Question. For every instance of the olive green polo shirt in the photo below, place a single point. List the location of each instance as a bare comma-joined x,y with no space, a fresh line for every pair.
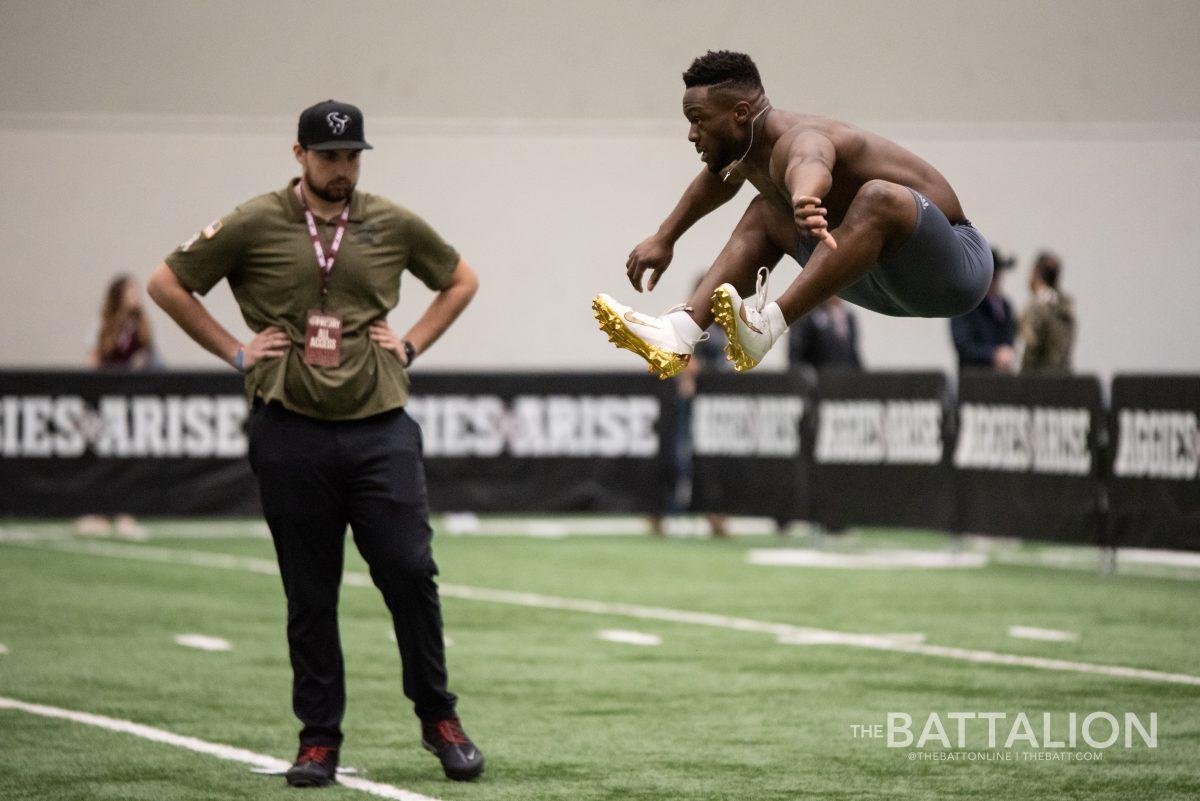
263,249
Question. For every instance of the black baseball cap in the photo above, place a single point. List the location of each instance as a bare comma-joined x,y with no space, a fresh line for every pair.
331,126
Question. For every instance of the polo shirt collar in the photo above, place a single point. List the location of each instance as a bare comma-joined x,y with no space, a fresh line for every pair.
358,204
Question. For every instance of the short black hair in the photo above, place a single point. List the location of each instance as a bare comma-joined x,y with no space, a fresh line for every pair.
723,66
1047,267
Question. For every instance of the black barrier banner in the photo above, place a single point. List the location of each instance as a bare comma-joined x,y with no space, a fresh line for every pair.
174,444
111,443
1154,477
1028,456
746,440
878,456
860,448
548,442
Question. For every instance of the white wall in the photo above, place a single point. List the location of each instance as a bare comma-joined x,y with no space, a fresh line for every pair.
945,60
130,125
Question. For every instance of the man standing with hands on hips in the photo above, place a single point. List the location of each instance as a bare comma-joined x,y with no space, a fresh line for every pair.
315,268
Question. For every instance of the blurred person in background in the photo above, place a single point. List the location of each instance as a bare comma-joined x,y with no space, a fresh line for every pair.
985,337
1048,322
825,337
122,341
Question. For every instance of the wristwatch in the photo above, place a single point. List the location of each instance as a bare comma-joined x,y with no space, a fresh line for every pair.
410,352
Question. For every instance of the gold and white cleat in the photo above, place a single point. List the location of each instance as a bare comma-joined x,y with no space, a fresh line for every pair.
652,338
747,327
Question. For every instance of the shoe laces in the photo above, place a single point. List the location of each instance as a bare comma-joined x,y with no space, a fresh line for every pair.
315,753
450,730
760,288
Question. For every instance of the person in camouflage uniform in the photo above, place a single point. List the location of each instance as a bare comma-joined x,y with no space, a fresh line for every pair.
1048,322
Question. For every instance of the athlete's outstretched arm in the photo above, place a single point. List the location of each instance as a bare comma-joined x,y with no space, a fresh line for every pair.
704,194
807,168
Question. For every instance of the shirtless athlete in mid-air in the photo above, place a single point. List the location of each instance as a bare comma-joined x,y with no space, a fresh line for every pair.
865,218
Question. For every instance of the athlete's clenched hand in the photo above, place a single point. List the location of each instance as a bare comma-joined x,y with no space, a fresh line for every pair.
811,219
267,344
653,254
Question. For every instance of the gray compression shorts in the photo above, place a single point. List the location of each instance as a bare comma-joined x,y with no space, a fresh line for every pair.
942,270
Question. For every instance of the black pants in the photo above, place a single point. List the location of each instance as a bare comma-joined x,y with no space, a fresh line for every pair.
315,477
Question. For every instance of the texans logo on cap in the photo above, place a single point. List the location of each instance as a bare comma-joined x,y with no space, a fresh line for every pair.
337,122
331,126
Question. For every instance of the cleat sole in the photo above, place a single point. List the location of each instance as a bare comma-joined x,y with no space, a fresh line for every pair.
726,317
662,363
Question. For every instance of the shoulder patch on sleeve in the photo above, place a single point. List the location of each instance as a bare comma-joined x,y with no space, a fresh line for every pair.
191,241
212,229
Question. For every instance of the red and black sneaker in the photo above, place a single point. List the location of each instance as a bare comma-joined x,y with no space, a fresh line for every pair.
446,740
316,766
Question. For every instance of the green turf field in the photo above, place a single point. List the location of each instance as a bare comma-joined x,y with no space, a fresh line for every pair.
712,712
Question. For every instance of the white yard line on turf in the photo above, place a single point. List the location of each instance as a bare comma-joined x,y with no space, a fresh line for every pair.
226,752
452,524
822,638
175,530
218,531
626,637
893,559
9,535
469,524
203,642
1045,635
535,600
1177,565
1181,565
1148,556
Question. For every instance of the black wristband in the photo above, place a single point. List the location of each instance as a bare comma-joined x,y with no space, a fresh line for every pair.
410,352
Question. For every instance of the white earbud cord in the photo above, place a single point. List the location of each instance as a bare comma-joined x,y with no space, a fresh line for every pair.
729,170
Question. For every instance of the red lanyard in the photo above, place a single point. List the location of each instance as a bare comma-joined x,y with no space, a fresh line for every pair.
325,259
